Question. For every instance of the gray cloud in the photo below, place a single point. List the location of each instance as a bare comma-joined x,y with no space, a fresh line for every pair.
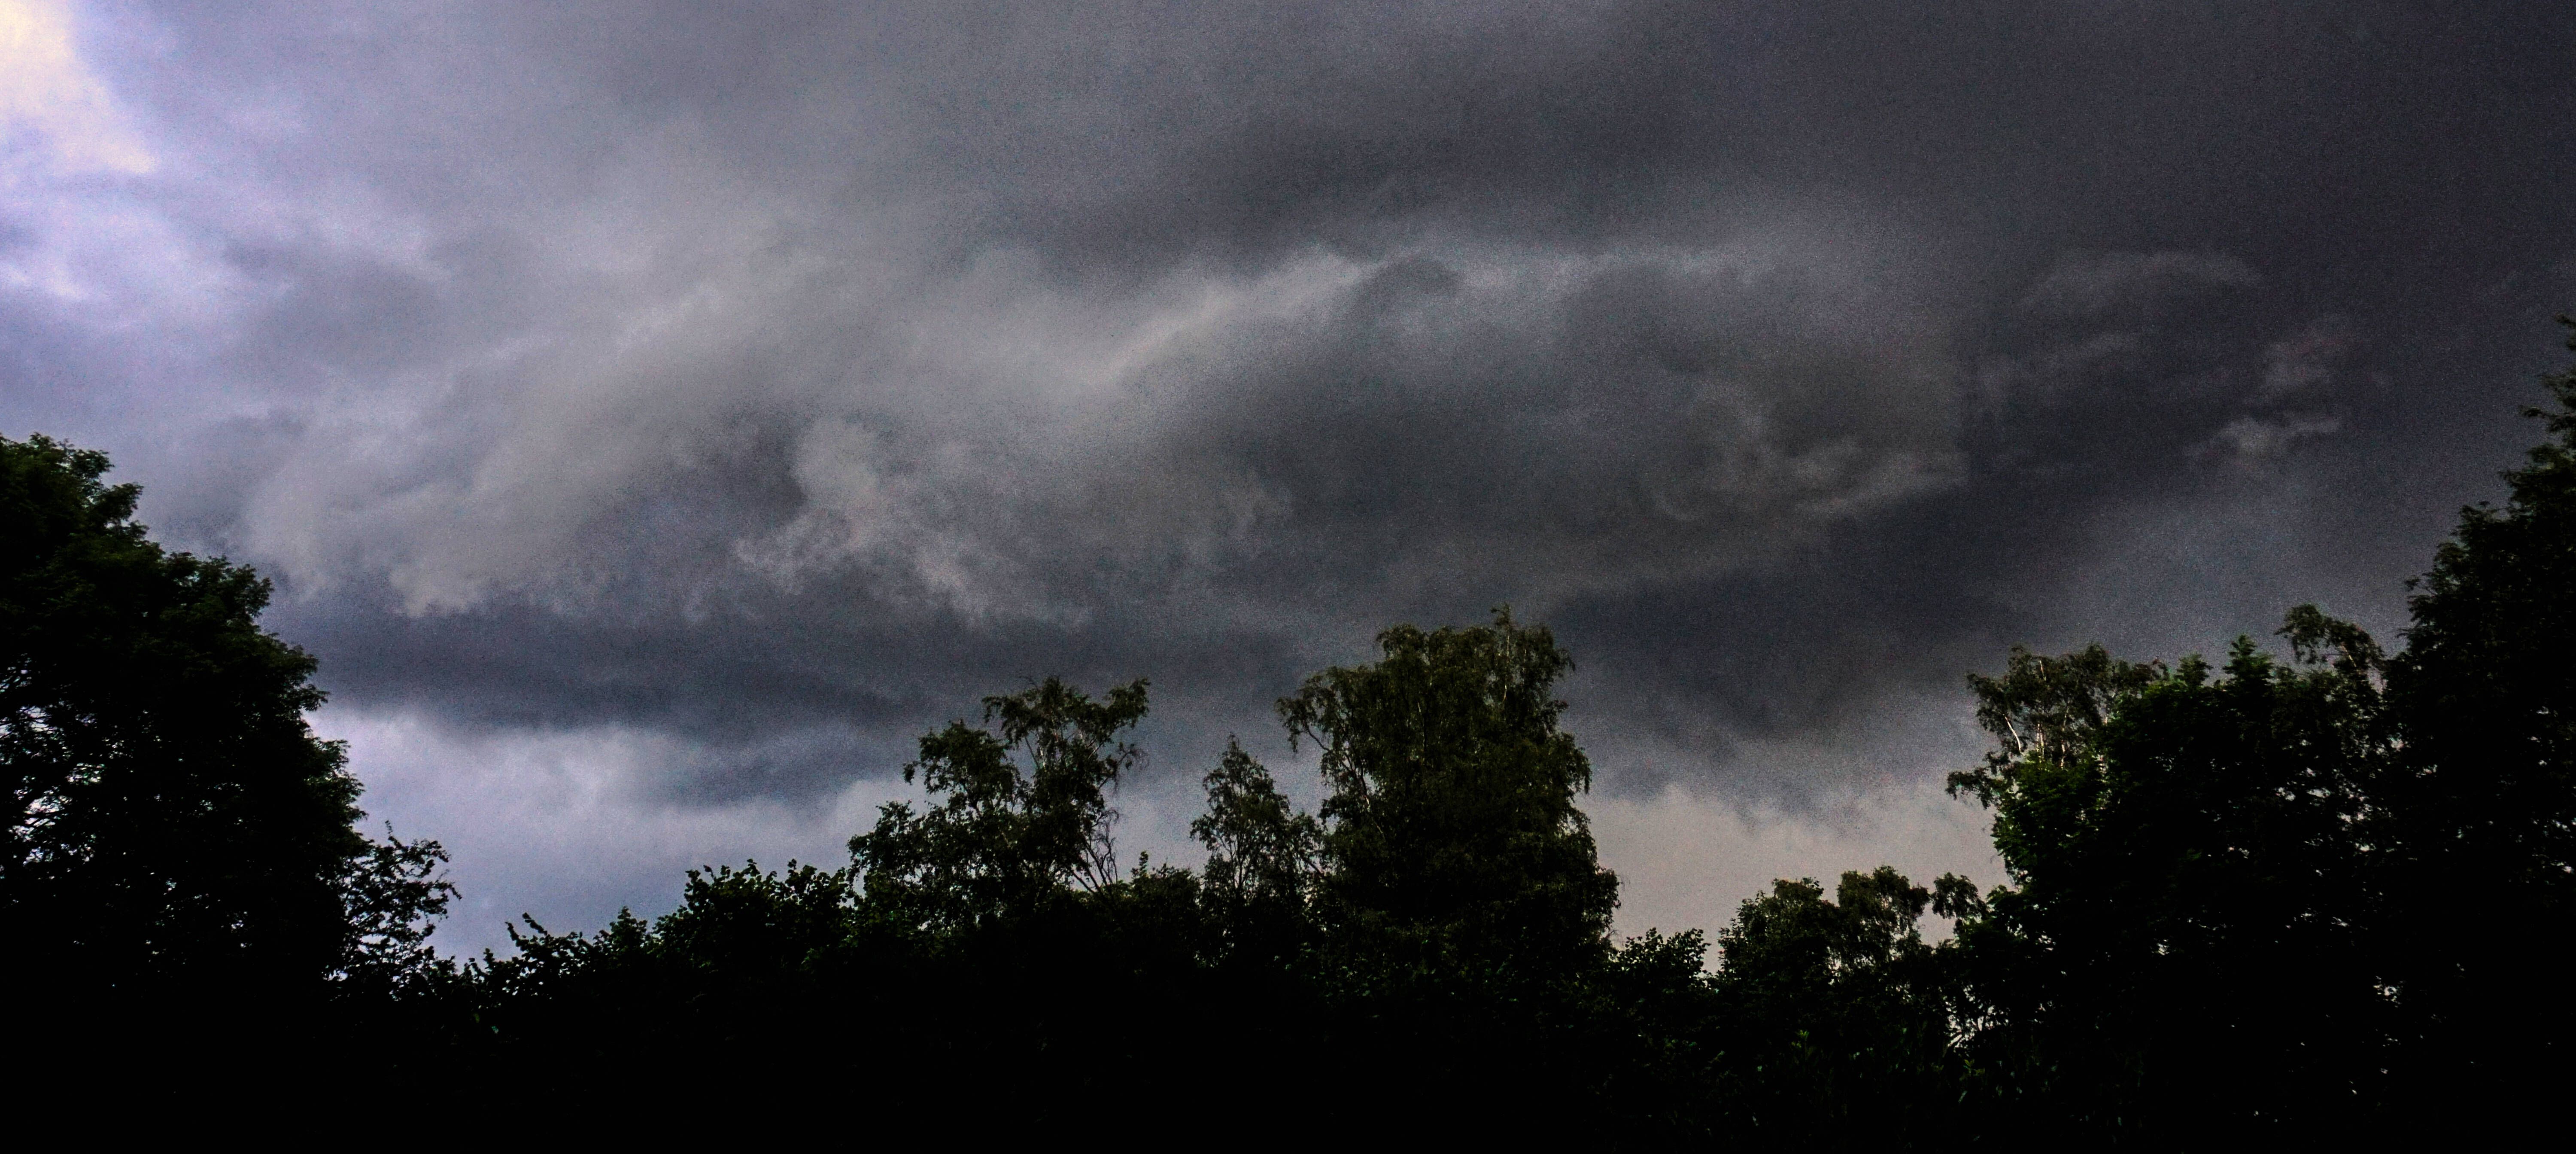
742,390
2091,283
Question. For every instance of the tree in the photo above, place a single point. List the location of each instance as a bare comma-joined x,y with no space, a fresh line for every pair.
1002,838
2328,893
788,966
1462,911
391,898
1044,961
1262,861
175,827
2478,812
2180,951
1834,1017
1452,826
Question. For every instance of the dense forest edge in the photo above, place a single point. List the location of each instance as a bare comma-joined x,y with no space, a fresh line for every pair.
2315,888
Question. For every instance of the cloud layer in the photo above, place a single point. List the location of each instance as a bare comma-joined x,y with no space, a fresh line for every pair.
721,396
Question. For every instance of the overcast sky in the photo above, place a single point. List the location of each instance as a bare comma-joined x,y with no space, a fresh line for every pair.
656,416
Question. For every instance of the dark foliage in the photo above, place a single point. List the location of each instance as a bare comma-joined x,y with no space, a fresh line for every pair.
2198,834
1452,838
1834,1018
2476,810
1263,860
180,852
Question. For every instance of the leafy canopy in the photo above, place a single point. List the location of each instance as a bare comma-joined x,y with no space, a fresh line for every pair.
173,823
1021,810
1452,821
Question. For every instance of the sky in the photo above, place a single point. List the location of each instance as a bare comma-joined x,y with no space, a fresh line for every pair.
656,416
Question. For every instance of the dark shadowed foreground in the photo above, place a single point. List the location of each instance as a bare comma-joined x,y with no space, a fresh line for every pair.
2321,893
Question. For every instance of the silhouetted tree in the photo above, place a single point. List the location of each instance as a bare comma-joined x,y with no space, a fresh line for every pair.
2477,812
1834,1019
2180,953
2328,894
1462,907
1452,830
1263,858
1003,838
177,837
1046,962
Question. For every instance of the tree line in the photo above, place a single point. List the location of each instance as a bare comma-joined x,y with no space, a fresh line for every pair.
2315,891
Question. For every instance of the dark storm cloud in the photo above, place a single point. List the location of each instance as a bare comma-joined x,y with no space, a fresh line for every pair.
763,383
